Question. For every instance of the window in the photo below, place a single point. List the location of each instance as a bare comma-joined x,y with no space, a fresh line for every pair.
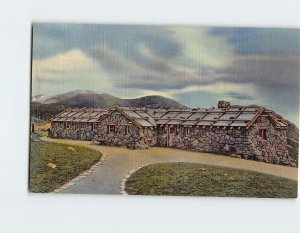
172,130
111,129
126,129
165,130
187,131
161,130
68,124
243,131
262,133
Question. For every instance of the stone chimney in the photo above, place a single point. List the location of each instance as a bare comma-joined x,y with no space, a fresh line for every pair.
223,104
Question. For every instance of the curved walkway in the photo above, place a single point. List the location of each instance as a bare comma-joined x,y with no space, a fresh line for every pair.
118,162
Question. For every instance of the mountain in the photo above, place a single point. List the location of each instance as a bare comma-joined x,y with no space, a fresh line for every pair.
46,99
40,98
45,108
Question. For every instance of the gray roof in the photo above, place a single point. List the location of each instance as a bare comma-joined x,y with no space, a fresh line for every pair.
139,116
233,116
80,115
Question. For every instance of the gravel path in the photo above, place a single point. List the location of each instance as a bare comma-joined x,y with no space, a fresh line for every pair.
118,162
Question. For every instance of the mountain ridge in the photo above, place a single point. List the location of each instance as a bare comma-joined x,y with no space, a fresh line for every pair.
45,108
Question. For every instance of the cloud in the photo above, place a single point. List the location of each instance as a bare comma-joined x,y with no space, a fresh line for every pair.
146,57
195,65
239,96
124,38
228,91
71,61
275,80
261,41
209,99
150,71
268,74
64,72
201,48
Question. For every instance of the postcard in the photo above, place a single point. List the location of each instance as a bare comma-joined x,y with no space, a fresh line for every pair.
173,110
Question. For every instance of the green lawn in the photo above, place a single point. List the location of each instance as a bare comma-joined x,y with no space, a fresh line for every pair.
188,179
53,164
37,121
293,150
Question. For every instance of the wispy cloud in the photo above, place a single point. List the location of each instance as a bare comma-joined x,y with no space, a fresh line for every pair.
191,64
261,41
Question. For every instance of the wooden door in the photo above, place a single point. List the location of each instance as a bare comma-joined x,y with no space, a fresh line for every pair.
171,135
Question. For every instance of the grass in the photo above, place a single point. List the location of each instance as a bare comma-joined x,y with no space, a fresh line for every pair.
293,150
37,121
293,141
188,179
53,164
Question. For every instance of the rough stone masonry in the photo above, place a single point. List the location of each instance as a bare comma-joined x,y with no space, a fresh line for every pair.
249,132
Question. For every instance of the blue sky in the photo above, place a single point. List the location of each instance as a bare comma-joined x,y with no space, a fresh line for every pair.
196,66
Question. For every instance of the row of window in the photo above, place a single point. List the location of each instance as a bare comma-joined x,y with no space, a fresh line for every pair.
110,128
67,125
187,130
262,133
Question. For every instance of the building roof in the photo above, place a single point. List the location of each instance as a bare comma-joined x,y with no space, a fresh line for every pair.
80,115
139,116
232,116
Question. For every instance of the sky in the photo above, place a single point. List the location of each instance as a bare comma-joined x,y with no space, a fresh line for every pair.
196,66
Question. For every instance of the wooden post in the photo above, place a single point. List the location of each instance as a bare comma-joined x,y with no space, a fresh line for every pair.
168,135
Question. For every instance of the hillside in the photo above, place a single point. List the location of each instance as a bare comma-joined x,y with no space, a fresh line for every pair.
44,108
293,141
46,99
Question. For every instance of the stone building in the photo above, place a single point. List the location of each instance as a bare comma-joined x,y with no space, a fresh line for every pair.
127,127
76,124
250,132
133,128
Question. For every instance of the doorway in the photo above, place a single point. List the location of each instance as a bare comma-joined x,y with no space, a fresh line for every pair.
170,135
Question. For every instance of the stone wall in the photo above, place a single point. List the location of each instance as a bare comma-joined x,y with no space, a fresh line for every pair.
73,130
135,138
223,141
272,149
243,143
